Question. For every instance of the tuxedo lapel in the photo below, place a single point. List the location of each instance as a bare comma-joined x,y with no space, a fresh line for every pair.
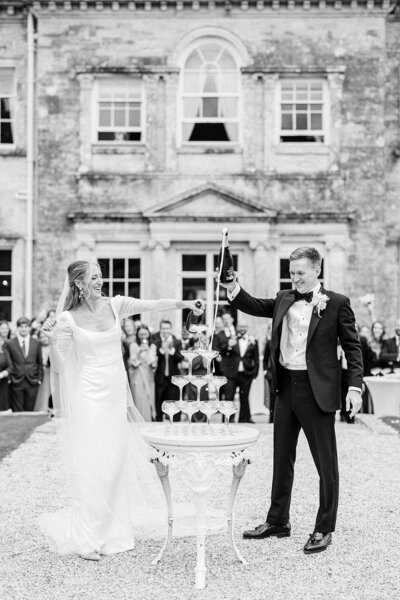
315,319
285,303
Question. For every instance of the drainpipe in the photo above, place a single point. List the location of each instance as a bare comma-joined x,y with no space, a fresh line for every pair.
30,160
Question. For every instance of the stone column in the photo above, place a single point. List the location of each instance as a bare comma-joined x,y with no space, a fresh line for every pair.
85,120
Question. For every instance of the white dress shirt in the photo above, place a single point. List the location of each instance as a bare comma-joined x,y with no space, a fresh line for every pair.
243,343
295,327
25,340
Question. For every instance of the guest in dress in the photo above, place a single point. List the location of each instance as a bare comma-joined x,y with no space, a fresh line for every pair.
376,341
390,354
199,367
44,393
5,367
142,364
128,337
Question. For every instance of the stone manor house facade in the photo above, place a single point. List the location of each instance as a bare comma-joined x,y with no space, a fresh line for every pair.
132,132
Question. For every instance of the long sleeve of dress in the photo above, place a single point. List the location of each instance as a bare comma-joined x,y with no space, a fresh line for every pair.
61,343
132,306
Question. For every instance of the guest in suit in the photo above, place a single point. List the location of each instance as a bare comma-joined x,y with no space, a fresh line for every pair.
44,393
142,364
168,360
223,342
27,367
305,374
5,367
390,354
240,367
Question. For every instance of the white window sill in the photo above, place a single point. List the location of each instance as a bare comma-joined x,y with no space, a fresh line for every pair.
302,148
11,150
209,149
118,148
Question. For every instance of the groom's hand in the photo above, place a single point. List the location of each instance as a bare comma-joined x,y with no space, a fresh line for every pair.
353,400
229,286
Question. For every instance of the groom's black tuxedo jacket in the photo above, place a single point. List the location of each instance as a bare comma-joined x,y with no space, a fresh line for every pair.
335,321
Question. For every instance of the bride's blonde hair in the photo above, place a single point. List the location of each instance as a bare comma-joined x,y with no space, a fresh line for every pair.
76,272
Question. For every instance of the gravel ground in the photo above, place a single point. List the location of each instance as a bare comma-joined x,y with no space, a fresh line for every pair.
363,562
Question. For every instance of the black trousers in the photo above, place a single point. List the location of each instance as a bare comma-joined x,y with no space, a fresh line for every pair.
23,396
243,382
296,409
165,390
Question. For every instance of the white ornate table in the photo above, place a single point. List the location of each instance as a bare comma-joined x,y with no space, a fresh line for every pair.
385,393
200,452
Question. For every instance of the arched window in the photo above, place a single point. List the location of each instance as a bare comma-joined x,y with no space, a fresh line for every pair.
210,90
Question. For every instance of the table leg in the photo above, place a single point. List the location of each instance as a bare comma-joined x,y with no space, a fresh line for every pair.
238,472
199,498
162,472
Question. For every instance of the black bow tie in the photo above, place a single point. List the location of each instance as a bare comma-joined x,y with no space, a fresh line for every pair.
307,297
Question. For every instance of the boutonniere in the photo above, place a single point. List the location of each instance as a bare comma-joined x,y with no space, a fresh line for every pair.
251,340
319,302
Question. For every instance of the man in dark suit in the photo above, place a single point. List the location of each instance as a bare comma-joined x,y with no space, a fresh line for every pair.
390,353
27,367
240,364
168,361
305,374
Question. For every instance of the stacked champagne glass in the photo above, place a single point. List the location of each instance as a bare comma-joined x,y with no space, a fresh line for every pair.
207,407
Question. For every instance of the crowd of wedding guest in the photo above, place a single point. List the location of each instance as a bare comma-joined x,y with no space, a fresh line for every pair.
153,358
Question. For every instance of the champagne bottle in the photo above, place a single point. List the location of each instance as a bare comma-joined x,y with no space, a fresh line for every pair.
226,269
194,323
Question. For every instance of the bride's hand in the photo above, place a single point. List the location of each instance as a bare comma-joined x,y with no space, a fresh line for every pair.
48,327
197,306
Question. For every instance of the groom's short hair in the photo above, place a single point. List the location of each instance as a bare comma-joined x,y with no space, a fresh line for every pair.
306,252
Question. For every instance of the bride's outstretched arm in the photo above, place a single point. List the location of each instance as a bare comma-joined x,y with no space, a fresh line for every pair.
133,306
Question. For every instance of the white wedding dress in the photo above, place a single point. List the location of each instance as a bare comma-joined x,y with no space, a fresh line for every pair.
101,448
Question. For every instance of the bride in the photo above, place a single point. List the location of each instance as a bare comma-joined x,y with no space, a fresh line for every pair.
97,429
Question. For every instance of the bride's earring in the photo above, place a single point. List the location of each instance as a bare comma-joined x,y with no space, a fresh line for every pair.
81,296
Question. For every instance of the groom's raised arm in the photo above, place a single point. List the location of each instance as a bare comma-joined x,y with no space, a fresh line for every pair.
257,307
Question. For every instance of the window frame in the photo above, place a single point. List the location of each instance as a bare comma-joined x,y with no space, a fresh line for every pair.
13,108
96,112
181,119
126,279
324,132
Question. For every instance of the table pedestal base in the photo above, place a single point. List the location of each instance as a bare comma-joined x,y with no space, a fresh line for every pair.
199,471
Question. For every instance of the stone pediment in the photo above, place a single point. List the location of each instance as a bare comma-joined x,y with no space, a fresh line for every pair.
209,202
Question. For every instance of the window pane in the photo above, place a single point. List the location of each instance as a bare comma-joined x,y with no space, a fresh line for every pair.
209,132
228,82
192,83
5,260
5,310
210,107
193,262
134,289
5,285
227,61
118,268
301,121
210,85
284,269
119,115
193,61
6,135
210,52
228,107
132,136
118,288
6,82
191,107
316,121
134,117
287,122
106,288
285,285
134,268
104,117
193,288
106,136
5,112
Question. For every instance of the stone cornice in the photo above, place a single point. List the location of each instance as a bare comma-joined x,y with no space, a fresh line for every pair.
11,7
335,216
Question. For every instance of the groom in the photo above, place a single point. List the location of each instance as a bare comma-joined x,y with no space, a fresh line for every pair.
307,323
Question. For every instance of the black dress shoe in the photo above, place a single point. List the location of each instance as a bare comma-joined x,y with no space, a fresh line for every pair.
317,542
266,530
